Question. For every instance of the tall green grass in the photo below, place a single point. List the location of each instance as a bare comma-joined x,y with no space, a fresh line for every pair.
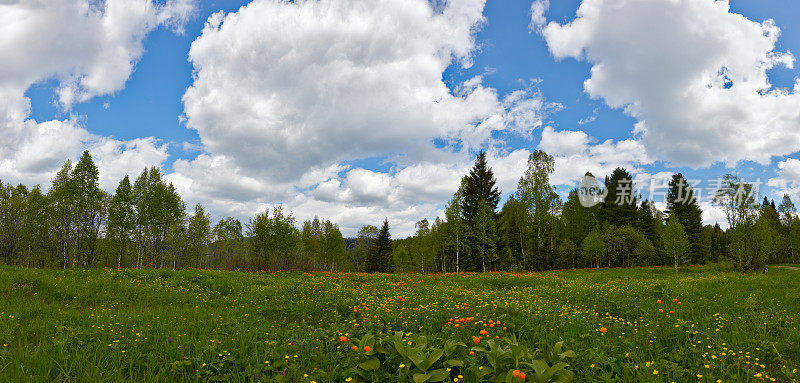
89,325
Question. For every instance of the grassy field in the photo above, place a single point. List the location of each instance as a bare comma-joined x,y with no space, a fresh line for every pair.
704,324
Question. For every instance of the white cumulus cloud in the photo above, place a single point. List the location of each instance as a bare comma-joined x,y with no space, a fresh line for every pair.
692,73
286,94
89,48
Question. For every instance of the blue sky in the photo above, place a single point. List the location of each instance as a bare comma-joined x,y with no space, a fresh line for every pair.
506,53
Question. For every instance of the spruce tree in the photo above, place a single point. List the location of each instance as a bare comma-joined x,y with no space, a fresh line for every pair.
619,208
380,259
682,204
479,188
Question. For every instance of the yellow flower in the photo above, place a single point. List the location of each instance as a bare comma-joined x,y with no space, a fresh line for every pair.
655,372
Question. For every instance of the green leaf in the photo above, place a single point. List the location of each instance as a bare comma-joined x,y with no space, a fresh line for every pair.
453,363
435,355
418,359
567,354
370,364
565,376
421,378
552,371
438,375
538,366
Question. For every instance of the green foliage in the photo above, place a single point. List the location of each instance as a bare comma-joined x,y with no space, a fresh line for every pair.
682,204
380,257
619,207
594,247
145,224
122,219
675,241
204,325
365,240
198,239
480,200
420,359
273,238
538,209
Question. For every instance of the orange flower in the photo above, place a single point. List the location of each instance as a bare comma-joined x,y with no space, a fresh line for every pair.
367,348
476,339
661,310
515,373
522,375
658,301
343,338
354,348
674,299
472,353
483,332
603,330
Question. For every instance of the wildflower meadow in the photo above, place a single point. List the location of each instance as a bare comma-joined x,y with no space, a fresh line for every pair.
645,324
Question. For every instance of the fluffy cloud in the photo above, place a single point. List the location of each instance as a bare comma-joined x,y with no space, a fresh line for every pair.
352,80
576,153
89,48
280,114
692,73
115,159
788,179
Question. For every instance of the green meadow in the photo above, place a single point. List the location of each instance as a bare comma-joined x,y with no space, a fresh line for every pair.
704,324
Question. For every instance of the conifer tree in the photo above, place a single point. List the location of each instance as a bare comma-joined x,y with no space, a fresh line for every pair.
486,233
619,207
682,204
479,189
381,259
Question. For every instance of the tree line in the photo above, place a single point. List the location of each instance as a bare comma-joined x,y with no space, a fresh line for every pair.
145,224
535,230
